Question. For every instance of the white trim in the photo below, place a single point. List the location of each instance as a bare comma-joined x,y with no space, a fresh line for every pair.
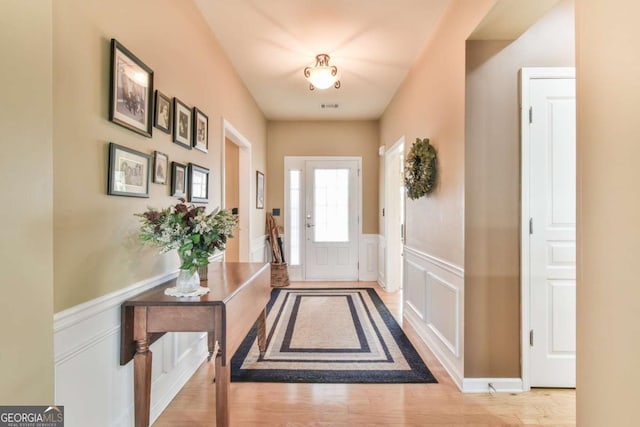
368,257
526,75
71,316
435,348
452,268
382,247
246,182
258,249
88,377
500,385
396,149
454,347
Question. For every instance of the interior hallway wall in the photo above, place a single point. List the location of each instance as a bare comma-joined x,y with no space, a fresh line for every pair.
95,235
607,68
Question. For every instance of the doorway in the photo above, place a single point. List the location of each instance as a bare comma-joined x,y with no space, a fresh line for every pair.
394,197
548,250
232,195
322,217
244,174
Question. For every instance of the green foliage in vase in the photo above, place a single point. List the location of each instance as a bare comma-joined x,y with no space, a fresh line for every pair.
420,169
188,229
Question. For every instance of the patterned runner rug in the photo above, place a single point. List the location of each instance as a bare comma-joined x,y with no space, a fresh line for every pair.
329,335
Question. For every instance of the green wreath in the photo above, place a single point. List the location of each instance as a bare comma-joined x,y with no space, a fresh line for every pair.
420,169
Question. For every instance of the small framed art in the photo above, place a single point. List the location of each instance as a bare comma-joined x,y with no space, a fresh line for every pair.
178,180
129,172
182,122
198,184
200,130
160,167
259,190
131,91
163,118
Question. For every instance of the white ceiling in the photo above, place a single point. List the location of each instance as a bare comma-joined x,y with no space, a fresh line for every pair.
372,42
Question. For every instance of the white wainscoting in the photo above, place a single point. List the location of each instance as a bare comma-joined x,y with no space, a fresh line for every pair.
368,258
259,249
434,305
382,261
89,381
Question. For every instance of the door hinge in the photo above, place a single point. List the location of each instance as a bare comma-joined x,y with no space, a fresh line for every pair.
530,115
358,172
530,225
531,338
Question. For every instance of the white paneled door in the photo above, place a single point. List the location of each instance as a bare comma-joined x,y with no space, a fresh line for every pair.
331,220
552,232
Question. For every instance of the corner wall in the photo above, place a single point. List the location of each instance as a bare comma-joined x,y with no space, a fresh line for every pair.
431,103
26,219
608,237
492,187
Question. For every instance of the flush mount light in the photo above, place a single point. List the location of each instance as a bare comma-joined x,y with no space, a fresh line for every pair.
322,75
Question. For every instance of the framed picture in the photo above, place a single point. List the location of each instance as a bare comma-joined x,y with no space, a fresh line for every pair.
129,172
162,118
259,190
178,180
182,123
160,167
200,130
198,184
131,91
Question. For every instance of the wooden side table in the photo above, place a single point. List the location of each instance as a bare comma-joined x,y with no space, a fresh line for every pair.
238,296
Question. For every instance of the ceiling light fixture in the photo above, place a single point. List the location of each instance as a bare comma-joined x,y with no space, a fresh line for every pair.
322,75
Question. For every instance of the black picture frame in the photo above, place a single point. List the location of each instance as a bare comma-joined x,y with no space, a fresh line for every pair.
163,117
259,190
182,124
200,130
130,91
198,184
160,167
129,172
178,180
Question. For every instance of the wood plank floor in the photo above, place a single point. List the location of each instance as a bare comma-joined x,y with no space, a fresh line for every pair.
266,404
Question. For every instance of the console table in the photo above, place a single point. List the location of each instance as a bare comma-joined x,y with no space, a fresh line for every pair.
238,297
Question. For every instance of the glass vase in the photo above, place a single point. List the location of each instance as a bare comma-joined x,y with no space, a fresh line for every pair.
187,281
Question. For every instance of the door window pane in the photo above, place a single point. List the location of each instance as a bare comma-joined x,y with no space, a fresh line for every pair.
331,205
294,217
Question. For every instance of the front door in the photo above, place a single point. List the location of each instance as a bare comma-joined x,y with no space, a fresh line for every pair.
331,220
552,239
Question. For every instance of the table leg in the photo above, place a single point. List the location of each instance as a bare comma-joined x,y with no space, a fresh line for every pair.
142,383
211,338
223,375
262,332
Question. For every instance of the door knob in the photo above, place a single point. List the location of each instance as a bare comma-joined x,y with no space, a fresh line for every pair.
309,225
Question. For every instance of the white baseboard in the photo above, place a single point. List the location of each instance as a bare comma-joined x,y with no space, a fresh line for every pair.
89,381
499,385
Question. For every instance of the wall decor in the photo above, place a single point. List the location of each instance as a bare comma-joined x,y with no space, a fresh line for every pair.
259,190
178,180
198,184
420,169
182,122
131,91
200,130
163,117
160,167
129,172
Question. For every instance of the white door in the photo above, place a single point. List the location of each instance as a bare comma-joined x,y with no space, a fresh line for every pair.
331,220
394,215
552,239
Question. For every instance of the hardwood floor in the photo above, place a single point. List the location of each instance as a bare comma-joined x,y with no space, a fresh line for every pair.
267,404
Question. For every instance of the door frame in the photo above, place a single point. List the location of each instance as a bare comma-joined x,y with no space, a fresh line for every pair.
244,183
388,226
299,162
526,75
